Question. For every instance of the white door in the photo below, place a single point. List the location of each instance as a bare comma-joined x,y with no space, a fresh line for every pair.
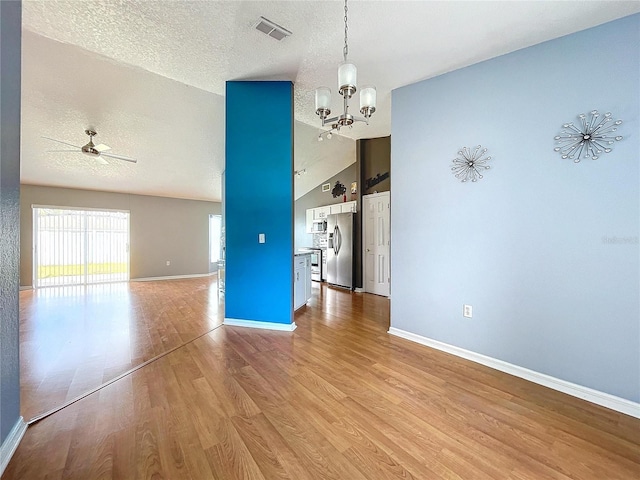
376,216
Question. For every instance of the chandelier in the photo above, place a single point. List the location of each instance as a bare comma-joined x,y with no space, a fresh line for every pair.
346,87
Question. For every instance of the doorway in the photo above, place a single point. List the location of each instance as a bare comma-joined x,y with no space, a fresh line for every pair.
376,216
79,247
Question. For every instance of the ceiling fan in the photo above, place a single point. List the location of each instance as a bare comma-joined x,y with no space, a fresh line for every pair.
95,151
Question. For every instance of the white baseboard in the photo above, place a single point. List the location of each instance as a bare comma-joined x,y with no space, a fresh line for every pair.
234,322
26,287
172,277
8,447
618,404
361,290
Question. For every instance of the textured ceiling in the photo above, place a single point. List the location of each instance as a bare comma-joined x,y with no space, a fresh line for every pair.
176,132
150,75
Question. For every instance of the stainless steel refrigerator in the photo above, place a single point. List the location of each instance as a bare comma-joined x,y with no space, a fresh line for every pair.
340,243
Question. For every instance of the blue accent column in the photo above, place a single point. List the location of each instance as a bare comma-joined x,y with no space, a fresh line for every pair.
259,200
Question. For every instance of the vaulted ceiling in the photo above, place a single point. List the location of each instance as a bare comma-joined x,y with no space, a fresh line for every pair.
150,76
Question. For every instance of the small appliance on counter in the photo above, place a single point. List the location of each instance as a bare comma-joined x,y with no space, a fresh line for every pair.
316,263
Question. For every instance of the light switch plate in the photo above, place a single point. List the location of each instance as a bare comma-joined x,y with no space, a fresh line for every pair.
261,238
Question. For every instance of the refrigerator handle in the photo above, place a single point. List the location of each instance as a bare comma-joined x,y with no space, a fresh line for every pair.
338,240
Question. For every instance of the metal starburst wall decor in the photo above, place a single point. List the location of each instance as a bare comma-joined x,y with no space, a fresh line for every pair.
589,139
470,163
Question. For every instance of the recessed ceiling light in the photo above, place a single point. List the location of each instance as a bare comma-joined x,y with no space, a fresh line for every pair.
272,29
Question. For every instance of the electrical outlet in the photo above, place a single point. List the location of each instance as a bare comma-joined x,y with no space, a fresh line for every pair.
467,311
168,262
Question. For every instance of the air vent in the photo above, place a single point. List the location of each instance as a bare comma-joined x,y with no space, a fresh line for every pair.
272,29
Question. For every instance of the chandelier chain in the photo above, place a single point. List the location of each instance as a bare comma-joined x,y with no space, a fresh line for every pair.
345,50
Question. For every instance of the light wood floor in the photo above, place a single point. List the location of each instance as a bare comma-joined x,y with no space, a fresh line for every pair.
336,399
74,339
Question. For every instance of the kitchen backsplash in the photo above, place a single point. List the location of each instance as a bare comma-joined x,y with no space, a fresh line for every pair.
320,240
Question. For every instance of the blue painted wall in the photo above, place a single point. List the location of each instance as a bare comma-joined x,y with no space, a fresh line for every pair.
10,56
545,250
259,199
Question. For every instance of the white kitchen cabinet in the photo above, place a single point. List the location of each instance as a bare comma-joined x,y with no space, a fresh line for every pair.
321,213
310,220
336,208
301,280
347,207
344,207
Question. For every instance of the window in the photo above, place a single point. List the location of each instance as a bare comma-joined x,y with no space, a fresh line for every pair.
76,247
215,237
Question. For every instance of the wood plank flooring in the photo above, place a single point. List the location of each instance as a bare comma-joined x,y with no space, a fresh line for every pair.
338,398
74,339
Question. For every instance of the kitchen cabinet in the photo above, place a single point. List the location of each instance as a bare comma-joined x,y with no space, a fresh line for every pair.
321,213
309,220
337,208
348,207
301,280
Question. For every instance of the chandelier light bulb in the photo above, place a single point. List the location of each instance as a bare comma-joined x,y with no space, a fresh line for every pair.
368,101
329,135
347,78
368,97
323,98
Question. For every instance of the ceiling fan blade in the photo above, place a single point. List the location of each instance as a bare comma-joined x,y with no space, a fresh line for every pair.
101,147
101,161
71,151
120,157
60,141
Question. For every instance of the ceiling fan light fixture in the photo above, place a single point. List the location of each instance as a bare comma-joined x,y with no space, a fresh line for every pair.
92,152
